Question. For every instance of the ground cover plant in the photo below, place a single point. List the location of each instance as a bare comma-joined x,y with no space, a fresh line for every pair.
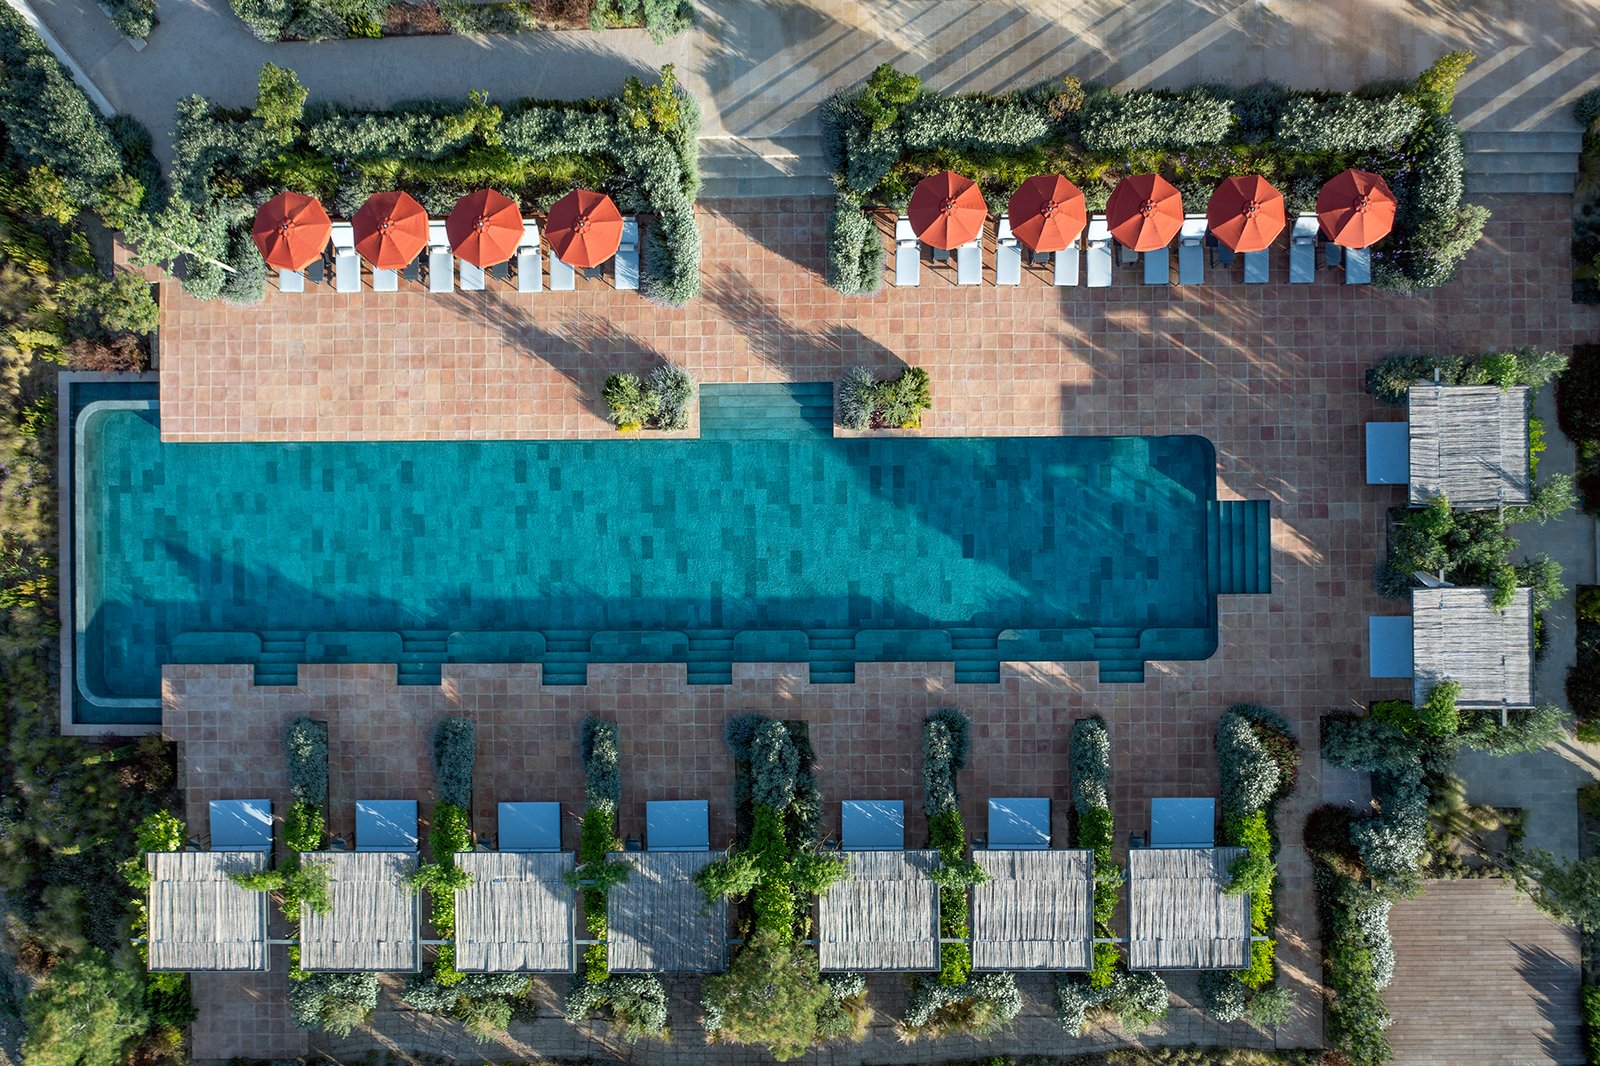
1110,989
639,147
1258,761
887,134
635,1004
322,20
772,993
1578,411
893,403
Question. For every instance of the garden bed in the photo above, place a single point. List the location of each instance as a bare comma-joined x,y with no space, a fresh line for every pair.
1586,204
325,20
639,147
887,135
1583,679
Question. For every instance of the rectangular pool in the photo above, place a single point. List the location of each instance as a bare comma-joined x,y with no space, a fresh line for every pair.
824,551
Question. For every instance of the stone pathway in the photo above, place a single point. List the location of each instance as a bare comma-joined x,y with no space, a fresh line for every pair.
1483,978
760,67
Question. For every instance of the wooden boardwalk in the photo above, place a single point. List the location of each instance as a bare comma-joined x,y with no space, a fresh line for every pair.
1482,978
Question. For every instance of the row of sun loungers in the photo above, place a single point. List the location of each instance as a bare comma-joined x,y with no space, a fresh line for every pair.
1100,252
446,273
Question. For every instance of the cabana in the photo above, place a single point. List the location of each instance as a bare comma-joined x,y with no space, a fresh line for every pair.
201,920
1457,635
517,915
1468,443
374,921
1036,911
658,921
1179,917
884,916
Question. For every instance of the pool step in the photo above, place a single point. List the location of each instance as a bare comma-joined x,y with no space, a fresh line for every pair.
281,656
422,655
976,656
833,671
566,657
1239,546
766,411
710,658
1113,672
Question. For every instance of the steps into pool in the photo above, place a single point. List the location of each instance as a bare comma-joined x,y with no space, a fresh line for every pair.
1239,539
766,411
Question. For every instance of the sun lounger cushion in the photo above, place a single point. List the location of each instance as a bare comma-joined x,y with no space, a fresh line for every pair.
471,277
1099,254
562,279
347,272
1257,268
385,281
969,264
1065,267
1158,267
1191,251
441,271
1303,250
529,270
627,262
1007,255
1358,266
291,281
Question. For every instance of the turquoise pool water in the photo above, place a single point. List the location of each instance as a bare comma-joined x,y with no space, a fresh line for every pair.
707,552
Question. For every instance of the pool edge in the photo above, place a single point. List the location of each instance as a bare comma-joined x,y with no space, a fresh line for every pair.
66,489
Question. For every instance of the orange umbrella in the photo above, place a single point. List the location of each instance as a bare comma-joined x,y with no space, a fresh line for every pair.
1145,212
1356,209
585,228
291,229
484,228
947,210
1246,213
1047,213
391,229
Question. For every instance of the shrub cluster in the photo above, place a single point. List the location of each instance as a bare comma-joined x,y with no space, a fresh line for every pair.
1583,679
1090,756
1391,378
882,137
1578,410
454,748
636,1002
323,20
895,403
976,1007
658,402
1358,954
335,1002
484,1002
306,748
133,18
946,743
1135,997
1470,548
640,147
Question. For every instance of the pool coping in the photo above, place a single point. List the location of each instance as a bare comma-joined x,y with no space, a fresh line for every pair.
66,487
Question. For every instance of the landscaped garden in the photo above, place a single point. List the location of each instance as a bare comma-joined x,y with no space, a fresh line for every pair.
639,147
885,136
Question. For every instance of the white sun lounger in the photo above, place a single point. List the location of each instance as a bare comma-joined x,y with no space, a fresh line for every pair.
1257,268
1191,251
471,277
627,262
562,277
291,281
907,254
1007,255
1099,254
441,263
530,264
1303,250
1158,266
385,281
969,263
1358,266
1065,265
346,264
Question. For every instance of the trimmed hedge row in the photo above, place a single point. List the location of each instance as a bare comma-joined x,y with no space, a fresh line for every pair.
639,146
881,138
324,20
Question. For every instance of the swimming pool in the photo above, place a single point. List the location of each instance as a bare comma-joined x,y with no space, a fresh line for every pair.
797,548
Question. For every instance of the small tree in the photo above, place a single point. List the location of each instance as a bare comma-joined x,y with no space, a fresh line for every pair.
83,1014
885,91
280,103
771,995
1569,892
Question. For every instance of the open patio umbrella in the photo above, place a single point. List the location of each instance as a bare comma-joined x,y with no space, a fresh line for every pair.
1356,209
947,210
484,227
585,228
291,229
1145,212
1047,213
1246,213
391,229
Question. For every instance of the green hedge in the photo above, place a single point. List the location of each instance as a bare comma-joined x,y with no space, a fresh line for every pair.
639,147
883,137
323,20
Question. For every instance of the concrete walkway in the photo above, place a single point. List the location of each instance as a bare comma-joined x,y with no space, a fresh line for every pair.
761,67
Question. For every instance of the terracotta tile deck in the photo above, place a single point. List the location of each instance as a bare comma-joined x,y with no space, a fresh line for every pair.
1271,374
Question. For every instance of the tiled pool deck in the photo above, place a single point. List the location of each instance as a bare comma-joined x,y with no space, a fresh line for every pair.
1272,375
